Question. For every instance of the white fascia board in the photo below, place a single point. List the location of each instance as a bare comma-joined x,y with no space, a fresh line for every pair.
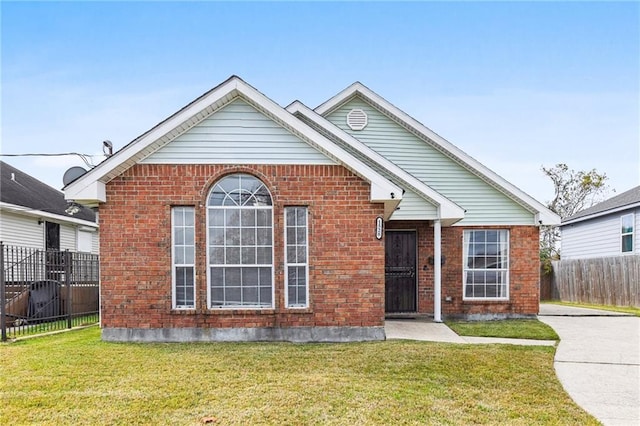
544,216
602,213
447,209
13,208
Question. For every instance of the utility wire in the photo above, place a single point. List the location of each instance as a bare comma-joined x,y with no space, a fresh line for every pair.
85,157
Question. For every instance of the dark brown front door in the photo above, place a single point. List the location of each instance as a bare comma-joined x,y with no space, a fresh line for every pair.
400,271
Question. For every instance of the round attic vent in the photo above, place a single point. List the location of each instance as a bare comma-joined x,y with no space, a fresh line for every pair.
357,119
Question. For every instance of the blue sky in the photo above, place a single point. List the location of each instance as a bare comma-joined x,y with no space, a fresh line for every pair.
515,85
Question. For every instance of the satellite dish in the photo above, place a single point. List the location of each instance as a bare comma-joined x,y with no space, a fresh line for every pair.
72,174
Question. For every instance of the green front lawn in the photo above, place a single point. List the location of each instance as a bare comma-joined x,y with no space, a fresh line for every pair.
75,378
515,329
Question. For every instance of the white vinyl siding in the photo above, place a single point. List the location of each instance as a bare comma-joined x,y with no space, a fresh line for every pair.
95,245
68,235
483,203
20,230
85,241
598,237
237,133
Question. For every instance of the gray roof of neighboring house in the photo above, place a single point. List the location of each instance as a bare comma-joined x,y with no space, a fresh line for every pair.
628,198
21,189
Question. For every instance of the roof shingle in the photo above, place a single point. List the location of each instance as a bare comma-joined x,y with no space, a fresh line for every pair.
627,198
21,189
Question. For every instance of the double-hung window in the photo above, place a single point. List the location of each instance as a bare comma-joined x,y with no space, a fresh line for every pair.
240,243
626,233
296,257
183,257
486,264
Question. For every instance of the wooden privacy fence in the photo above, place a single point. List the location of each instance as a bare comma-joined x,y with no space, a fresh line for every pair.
602,281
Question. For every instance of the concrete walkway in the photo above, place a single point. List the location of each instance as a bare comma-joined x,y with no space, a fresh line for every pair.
438,332
598,360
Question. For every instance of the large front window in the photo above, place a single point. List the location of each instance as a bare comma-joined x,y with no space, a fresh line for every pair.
486,264
240,242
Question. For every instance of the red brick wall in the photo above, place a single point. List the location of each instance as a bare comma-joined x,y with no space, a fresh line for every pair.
346,261
524,274
524,271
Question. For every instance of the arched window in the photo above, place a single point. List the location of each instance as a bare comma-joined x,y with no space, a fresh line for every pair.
240,243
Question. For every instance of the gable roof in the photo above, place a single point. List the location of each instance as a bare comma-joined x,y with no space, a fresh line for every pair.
627,200
90,187
21,192
543,214
449,211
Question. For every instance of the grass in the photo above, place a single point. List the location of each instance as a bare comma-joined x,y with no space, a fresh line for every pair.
50,326
75,378
516,329
622,309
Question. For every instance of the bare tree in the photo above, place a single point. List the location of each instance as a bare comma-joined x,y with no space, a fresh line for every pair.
574,192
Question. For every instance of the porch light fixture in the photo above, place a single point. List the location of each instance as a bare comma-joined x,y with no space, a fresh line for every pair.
72,208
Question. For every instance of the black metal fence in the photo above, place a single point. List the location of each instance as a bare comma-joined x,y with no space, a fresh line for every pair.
46,290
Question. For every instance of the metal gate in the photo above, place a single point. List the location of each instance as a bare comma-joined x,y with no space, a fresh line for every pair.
46,290
400,271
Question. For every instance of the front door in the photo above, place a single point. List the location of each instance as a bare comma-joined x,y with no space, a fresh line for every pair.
400,271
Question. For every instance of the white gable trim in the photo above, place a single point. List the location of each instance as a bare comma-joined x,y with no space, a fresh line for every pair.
447,209
90,187
544,216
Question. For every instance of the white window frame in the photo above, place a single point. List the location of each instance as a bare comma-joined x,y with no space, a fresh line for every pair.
240,265
627,234
504,261
175,245
295,263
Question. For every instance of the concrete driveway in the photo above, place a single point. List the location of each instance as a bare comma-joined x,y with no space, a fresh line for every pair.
598,361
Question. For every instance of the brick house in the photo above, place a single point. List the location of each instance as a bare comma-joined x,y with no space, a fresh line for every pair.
237,219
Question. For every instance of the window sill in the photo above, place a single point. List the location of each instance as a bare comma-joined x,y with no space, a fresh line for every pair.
298,310
240,311
244,311
486,301
183,311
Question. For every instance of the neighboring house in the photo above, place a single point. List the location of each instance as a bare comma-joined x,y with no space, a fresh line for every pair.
609,228
237,219
33,214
